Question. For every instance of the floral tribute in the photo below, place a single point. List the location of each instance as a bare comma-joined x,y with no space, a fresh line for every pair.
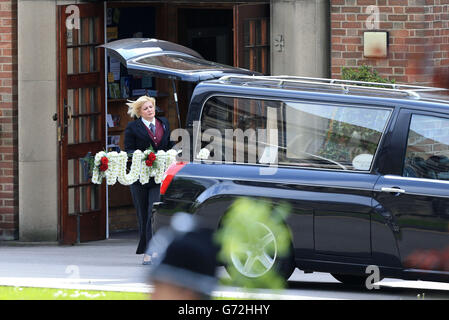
203,154
150,159
104,163
101,166
144,165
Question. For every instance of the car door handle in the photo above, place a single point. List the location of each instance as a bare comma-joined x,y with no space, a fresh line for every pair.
393,190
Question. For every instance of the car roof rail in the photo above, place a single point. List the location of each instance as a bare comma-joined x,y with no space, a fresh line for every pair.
346,86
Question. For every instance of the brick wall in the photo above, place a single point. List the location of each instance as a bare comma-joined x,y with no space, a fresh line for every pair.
8,121
418,37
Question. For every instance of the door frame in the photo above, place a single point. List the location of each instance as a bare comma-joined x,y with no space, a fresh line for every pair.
164,30
66,234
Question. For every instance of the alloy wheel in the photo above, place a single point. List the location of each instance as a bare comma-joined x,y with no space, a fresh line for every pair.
256,258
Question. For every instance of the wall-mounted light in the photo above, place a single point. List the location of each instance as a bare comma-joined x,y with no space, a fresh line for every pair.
375,44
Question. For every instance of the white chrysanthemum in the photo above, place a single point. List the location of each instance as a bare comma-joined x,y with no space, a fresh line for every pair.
133,175
117,164
171,158
112,171
97,175
203,154
160,165
158,178
144,170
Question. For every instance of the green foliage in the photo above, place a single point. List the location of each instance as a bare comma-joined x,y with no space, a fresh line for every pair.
244,227
88,164
28,293
25,293
364,73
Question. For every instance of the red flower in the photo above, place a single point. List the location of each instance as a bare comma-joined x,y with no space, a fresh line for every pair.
103,167
104,161
151,157
149,163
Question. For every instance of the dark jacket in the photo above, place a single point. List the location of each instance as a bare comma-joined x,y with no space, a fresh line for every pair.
137,138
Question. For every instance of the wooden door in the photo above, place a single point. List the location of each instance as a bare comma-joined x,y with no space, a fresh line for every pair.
252,37
81,122
251,43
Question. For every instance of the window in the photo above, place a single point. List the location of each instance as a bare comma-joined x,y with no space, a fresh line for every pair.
427,148
234,128
332,137
256,45
292,133
179,62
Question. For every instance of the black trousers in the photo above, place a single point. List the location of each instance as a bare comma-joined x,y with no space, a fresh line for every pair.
143,198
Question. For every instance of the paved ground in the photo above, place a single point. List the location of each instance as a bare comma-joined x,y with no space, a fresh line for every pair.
108,265
113,265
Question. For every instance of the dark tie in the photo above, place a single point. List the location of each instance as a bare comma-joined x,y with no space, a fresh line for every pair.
152,128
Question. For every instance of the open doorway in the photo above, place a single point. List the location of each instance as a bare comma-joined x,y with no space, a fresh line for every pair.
230,33
203,28
124,21
208,31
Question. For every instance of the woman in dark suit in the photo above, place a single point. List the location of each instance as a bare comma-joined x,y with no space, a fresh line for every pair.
148,130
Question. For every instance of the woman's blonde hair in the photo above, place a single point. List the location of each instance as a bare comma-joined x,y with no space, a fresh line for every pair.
134,107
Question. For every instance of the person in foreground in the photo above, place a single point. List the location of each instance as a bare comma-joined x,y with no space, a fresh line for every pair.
185,268
144,132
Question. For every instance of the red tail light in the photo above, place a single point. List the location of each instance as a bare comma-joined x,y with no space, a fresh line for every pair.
171,172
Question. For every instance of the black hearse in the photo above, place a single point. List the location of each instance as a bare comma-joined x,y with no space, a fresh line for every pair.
365,167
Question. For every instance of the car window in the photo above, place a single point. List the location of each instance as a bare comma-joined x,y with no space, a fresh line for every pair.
234,129
291,133
179,62
427,148
333,137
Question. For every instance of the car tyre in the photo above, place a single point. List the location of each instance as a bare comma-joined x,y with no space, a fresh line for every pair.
256,262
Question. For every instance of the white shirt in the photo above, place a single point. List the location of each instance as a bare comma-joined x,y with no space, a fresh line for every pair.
147,123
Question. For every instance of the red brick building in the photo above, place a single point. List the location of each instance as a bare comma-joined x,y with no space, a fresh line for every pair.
418,31
8,121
